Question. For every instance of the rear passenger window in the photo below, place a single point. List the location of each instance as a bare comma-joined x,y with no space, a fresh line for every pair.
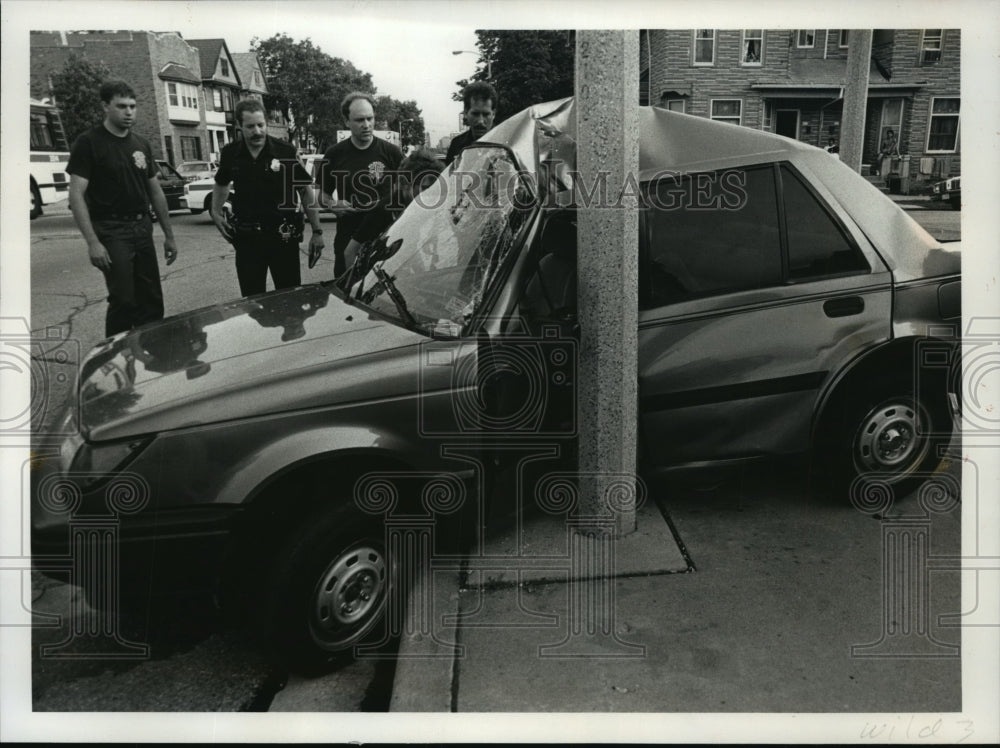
816,244
706,234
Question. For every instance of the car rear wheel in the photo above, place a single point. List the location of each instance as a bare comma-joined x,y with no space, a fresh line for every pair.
327,591
886,434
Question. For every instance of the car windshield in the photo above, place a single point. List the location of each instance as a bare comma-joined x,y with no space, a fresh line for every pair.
193,168
432,269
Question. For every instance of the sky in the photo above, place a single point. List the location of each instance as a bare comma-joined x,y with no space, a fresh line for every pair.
409,59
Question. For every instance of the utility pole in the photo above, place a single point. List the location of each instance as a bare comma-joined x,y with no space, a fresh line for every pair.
607,125
852,122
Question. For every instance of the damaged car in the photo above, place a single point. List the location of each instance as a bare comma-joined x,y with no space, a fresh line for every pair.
275,446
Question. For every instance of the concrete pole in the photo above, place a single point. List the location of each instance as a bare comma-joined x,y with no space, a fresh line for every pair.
607,123
852,123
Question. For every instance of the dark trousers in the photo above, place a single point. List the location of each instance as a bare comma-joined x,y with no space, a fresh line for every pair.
260,251
134,293
346,226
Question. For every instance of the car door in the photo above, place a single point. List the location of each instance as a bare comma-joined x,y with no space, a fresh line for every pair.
754,292
172,184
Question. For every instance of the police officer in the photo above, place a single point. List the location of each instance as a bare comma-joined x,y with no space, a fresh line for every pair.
265,175
112,181
354,169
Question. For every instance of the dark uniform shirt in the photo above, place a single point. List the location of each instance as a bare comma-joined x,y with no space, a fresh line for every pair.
264,188
118,170
354,173
457,144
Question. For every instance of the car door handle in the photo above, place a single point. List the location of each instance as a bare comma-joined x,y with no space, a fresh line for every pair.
844,306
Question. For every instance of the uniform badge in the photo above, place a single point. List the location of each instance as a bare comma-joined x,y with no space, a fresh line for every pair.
140,159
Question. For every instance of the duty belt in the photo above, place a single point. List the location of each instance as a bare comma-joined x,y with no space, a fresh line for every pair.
120,217
286,229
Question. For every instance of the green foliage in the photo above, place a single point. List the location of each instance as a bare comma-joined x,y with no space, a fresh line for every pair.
392,114
307,85
528,67
76,90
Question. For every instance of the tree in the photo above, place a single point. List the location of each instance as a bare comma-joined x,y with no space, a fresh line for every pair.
401,116
76,90
307,85
528,67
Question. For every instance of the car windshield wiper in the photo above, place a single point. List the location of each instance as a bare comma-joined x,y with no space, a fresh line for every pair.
397,298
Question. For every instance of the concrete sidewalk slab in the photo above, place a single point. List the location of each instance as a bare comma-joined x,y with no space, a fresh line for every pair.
518,553
537,547
788,611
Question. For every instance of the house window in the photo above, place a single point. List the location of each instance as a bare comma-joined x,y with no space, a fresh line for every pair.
807,39
256,78
675,105
753,47
182,95
930,46
843,39
942,135
727,110
224,65
190,148
704,47
216,100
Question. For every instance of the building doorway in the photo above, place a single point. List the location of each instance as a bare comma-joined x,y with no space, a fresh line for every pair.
786,122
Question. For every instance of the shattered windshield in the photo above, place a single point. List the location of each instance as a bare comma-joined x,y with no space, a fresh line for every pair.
433,267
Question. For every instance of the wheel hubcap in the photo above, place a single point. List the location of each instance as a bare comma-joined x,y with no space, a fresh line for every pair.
889,439
350,590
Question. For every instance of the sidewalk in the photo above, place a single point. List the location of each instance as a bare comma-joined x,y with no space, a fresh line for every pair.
761,617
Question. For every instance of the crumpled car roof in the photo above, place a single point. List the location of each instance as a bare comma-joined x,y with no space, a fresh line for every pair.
543,138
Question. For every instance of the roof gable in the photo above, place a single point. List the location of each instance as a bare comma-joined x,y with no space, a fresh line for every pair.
210,51
247,63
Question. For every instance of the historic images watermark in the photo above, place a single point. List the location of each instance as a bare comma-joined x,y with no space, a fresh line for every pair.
662,190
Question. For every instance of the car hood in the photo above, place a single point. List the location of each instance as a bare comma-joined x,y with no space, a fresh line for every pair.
253,356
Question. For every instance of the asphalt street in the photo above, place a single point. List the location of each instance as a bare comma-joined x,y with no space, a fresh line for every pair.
194,662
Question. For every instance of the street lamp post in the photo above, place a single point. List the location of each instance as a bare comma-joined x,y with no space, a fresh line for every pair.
489,63
401,123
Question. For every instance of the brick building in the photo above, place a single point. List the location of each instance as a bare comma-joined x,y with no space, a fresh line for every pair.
162,68
791,83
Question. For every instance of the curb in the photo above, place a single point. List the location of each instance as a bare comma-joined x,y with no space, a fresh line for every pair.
426,662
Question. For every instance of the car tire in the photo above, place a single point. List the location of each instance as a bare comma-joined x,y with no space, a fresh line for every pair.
327,591
36,200
884,432
956,202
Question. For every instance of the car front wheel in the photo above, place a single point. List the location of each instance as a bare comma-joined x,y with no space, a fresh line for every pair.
328,590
